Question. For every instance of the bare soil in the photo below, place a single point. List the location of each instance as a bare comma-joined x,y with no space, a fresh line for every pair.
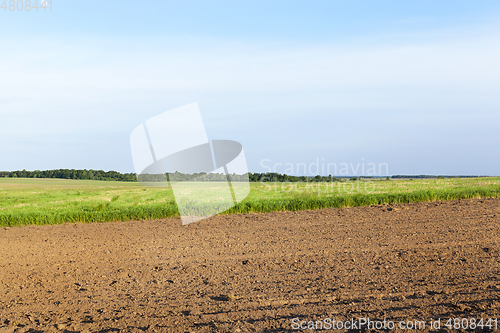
255,272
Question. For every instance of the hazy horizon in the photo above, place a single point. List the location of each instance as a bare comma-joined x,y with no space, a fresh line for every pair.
289,174
413,86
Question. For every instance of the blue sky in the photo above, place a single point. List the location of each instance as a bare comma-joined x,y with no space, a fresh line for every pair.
413,85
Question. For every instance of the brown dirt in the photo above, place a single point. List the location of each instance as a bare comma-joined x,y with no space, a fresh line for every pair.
254,272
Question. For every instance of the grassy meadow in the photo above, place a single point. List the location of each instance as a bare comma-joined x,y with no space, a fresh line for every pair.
52,201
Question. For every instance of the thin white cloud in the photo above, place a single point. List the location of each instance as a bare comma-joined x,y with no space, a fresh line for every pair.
65,87
34,70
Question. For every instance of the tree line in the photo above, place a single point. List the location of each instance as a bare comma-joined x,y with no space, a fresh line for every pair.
71,174
176,176
278,177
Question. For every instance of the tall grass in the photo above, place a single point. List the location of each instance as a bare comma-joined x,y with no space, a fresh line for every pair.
356,200
38,202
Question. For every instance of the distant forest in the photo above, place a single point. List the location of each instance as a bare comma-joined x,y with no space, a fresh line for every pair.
71,174
131,177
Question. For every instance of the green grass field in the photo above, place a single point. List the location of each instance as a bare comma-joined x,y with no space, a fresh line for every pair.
52,201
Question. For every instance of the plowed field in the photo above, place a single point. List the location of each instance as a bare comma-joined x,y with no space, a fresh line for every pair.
255,272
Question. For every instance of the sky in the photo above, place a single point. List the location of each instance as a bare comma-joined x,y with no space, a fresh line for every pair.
411,87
